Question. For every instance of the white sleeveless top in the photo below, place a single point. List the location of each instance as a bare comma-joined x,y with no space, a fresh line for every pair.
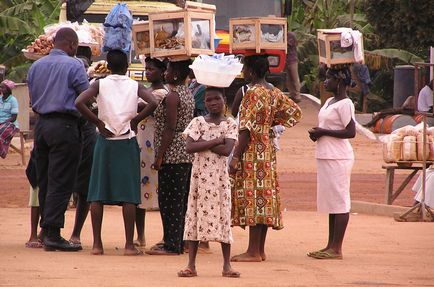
117,105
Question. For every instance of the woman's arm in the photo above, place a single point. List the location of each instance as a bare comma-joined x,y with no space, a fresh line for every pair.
224,149
348,132
171,102
237,102
203,145
81,103
243,141
147,110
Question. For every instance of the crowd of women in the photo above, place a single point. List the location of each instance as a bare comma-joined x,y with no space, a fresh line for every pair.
205,173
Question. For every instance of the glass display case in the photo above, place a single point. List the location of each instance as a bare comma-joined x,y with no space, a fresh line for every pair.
258,33
141,39
330,51
188,32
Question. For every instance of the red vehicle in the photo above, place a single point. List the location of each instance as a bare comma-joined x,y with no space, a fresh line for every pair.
227,9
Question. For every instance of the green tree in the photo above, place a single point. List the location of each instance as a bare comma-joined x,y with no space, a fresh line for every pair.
21,22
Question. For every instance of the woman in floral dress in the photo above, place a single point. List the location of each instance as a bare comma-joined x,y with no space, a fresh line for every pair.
145,137
255,192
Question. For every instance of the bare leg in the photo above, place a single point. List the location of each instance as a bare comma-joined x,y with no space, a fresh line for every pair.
34,220
96,213
253,253
192,253
340,226
262,244
140,226
129,214
80,217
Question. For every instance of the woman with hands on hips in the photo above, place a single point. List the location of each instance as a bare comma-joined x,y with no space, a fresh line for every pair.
335,159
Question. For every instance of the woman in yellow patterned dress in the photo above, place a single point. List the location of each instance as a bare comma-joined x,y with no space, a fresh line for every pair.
255,190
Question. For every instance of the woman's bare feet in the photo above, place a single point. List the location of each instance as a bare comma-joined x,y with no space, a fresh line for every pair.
133,252
97,251
263,256
246,257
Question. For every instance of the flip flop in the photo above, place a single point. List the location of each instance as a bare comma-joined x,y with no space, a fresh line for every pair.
34,244
231,274
326,255
77,243
137,243
311,253
187,272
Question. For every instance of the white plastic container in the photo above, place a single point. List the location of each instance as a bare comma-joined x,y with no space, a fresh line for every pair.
215,72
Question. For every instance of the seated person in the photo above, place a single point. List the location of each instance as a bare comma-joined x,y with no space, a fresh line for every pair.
8,116
425,99
407,108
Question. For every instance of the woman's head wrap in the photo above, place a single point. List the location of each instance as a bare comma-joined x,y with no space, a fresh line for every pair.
8,83
343,74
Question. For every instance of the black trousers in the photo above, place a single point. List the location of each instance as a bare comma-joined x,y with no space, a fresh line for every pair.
173,189
88,135
57,150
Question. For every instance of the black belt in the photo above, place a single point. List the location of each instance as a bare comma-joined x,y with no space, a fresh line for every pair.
59,115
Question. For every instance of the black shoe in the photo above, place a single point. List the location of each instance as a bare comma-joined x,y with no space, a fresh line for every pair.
59,243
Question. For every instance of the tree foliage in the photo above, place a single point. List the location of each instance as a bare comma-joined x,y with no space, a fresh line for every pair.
402,24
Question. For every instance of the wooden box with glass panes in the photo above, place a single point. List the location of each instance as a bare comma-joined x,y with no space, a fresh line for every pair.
186,32
260,33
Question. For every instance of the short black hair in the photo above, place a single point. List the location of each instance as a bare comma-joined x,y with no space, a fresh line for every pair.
162,65
182,68
86,52
215,89
65,34
117,60
343,73
258,64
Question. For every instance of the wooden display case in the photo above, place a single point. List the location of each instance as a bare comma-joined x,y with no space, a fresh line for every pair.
141,38
185,32
258,33
330,51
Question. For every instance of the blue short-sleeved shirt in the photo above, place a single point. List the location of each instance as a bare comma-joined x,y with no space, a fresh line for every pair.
55,81
8,108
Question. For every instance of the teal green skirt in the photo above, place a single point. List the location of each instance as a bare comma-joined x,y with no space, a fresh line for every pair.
115,176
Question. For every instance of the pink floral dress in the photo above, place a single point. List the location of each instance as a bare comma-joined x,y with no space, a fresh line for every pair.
208,215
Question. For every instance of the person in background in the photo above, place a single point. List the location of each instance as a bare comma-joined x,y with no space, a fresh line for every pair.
8,116
54,82
361,71
34,240
425,98
145,137
81,186
335,158
211,138
291,68
172,161
198,92
253,165
115,176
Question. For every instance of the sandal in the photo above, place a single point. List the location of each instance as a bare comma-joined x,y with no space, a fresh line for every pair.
231,274
187,272
137,252
311,253
160,251
34,244
326,255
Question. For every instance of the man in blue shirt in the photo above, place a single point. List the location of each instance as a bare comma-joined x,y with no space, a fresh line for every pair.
54,83
8,116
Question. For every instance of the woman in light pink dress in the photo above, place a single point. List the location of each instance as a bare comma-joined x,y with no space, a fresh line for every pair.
335,160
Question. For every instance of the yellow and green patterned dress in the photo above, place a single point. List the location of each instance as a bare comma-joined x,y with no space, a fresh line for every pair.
255,190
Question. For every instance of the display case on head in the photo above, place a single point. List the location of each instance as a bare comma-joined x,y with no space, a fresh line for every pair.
258,33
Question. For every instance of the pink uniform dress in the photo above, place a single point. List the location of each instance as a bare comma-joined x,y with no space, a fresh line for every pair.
335,159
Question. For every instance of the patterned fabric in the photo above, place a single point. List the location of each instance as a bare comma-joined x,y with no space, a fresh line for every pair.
176,152
173,186
148,175
7,132
255,192
208,215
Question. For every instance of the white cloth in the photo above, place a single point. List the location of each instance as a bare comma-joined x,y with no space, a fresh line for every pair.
429,188
335,116
333,185
425,99
117,104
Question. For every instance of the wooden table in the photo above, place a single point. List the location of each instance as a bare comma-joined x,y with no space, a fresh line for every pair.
390,193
